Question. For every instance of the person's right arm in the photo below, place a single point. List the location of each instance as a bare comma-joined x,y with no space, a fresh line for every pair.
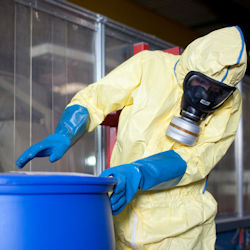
88,109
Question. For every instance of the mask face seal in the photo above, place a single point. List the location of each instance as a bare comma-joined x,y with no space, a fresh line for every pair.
201,96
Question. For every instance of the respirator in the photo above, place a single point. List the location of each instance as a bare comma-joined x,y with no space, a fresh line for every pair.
201,96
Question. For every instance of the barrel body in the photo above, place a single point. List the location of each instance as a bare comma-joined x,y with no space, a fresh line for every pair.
55,215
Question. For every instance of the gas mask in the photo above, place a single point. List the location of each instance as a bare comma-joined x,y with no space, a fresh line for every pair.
201,96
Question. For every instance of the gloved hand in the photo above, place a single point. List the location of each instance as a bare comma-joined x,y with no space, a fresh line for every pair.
159,171
54,146
71,126
128,179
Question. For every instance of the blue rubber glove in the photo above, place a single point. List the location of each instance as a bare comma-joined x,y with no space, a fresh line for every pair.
156,172
71,126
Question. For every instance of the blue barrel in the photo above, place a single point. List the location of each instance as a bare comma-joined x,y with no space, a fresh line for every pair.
55,212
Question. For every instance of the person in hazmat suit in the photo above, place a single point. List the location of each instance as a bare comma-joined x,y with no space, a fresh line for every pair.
160,201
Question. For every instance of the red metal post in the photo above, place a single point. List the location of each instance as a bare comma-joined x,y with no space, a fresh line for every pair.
138,47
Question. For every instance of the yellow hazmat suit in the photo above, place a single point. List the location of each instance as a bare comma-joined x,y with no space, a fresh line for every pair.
148,89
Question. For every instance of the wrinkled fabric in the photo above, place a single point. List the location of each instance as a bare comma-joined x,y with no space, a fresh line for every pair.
148,89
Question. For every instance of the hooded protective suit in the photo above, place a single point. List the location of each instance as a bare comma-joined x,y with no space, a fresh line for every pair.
148,89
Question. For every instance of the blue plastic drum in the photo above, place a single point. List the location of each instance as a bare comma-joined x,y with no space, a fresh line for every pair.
55,212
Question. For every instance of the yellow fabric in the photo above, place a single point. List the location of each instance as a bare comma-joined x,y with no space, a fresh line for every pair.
148,87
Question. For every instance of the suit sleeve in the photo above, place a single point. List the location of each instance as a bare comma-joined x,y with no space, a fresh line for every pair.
217,134
112,92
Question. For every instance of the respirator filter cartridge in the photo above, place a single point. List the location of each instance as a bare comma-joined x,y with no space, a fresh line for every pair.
183,130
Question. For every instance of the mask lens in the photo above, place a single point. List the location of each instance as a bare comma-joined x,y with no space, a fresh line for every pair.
204,93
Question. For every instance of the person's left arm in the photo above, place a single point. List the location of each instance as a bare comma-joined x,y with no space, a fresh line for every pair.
180,166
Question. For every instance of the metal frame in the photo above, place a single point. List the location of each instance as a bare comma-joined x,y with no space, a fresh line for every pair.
238,149
232,223
100,72
73,13
63,10
144,37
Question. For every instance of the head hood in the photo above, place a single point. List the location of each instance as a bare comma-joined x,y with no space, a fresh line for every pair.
220,55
